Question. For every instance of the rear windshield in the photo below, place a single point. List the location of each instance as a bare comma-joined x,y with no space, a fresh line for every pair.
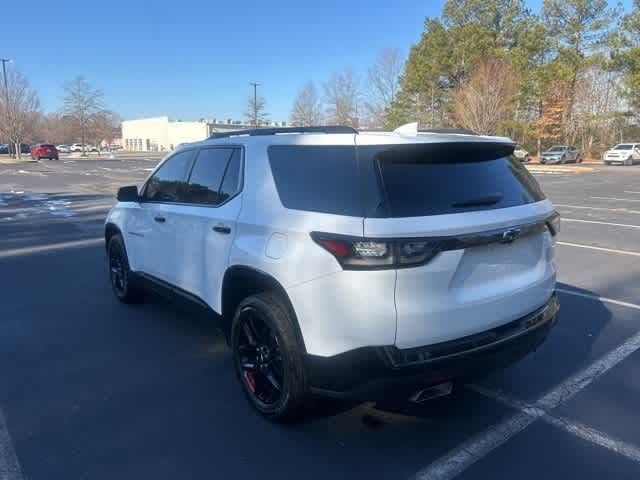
557,149
623,147
401,180
47,145
433,179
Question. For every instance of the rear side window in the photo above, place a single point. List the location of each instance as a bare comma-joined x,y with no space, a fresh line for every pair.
207,175
317,178
169,182
433,179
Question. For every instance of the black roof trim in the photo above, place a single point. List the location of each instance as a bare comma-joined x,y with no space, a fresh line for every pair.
464,131
274,131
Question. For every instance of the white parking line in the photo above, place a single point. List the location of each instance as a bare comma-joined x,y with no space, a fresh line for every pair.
601,249
625,225
604,209
480,445
630,191
16,252
9,466
576,428
599,298
618,199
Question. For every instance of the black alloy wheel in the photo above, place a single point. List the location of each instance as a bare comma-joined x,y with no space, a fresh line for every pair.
259,359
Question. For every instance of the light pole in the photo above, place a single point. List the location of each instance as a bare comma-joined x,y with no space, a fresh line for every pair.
6,91
255,103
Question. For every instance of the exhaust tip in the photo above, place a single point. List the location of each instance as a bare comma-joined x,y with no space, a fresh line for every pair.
434,391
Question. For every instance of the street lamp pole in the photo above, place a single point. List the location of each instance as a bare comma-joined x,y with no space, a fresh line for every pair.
6,92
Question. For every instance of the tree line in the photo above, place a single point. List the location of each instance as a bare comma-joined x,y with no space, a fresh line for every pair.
82,119
569,73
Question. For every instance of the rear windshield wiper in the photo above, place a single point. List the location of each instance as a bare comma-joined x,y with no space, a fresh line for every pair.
479,201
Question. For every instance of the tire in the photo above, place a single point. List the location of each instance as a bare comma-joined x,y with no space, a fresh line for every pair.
119,273
267,354
37,159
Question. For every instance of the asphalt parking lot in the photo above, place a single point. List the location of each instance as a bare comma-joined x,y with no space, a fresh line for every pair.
93,389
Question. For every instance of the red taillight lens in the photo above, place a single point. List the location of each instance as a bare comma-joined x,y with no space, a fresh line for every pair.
370,254
336,247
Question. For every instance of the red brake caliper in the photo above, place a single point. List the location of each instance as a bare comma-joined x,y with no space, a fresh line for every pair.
251,381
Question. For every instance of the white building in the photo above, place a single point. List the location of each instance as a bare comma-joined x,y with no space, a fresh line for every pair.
160,134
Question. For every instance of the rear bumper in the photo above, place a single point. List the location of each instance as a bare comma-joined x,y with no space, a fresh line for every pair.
377,372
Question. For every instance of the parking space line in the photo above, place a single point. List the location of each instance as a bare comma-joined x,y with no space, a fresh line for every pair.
625,225
9,466
602,249
618,199
480,445
630,191
604,209
599,298
16,252
570,426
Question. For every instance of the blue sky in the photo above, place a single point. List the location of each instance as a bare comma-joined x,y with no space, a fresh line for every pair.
193,59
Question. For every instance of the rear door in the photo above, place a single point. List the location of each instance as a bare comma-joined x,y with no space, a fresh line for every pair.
205,224
483,214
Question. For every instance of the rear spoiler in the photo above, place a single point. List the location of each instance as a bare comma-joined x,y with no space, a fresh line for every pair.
447,152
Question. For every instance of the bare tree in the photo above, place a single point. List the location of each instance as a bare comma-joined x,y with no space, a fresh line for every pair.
384,84
486,100
104,127
342,96
19,116
255,113
81,103
307,109
597,110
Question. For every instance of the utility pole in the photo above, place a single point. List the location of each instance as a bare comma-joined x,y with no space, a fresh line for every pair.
6,92
255,103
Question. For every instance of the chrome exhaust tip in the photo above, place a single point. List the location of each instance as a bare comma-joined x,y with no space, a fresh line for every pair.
434,391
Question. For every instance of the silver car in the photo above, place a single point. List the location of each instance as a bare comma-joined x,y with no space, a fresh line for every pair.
561,154
521,154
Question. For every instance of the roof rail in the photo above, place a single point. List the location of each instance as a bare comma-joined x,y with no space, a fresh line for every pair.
464,131
274,131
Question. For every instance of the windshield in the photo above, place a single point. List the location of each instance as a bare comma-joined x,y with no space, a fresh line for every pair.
557,149
624,146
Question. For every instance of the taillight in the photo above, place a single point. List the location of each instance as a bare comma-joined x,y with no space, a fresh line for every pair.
553,223
369,254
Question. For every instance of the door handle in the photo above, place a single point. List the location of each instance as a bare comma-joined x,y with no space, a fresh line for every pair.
222,229
159,219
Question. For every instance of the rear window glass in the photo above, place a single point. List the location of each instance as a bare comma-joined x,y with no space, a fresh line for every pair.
433,179
317,178
47,145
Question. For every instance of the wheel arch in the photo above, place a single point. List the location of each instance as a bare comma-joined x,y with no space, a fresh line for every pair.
240,282
110,229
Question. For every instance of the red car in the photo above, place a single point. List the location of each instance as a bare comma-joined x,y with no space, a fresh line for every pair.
44,150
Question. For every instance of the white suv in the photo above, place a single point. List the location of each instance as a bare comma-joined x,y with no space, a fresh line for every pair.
623,153
345,264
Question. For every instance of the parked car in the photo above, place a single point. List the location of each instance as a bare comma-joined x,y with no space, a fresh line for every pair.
521,154
561,154
44,150
75,147
345,264
63,148
623,154
4,148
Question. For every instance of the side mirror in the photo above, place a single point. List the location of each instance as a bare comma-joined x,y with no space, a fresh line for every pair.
128,194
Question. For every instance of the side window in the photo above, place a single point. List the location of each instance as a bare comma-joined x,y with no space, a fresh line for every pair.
232,177
169,182
317,178
207,176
